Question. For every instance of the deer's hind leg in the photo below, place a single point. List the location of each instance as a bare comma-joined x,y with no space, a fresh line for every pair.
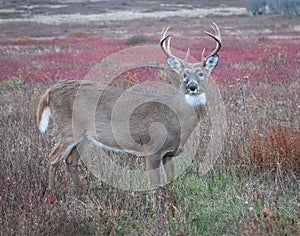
72,161
54,158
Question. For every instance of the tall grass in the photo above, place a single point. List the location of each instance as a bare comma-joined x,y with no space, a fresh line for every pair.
252,190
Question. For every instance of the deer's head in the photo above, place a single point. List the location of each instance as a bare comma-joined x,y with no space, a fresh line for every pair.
194,76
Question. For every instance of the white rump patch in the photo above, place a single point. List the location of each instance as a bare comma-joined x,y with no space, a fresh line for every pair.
45,120
196,100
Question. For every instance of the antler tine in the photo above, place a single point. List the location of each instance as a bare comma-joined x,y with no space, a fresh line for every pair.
163,39
217,32
164,34
187,55
165,43
202,55
216,36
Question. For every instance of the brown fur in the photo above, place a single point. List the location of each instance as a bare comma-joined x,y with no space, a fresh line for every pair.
162,118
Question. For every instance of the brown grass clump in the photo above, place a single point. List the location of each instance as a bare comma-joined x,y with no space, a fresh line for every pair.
276,148
270,221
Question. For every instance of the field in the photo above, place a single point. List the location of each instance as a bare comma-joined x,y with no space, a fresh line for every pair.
253,188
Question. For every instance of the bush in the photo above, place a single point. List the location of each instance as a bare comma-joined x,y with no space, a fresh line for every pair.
275,148
284,7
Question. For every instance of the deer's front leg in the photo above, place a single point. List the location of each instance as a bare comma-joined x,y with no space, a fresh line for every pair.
169,168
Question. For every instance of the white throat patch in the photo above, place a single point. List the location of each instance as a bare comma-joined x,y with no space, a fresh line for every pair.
196,100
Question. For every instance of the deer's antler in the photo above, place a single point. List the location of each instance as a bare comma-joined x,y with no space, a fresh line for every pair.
165,43
216,36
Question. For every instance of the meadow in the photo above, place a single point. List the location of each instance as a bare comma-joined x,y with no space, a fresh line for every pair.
253,188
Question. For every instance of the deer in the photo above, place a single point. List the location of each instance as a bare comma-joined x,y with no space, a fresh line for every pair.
157,133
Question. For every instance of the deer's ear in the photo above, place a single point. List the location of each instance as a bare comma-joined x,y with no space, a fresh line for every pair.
211,62
174,64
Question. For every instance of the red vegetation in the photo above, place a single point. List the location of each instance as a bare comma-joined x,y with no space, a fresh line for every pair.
261,60
48,60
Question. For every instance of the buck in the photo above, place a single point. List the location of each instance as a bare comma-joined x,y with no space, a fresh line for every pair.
84,114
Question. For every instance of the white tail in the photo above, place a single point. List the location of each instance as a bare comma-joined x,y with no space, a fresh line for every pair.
45,120
43,113
84,113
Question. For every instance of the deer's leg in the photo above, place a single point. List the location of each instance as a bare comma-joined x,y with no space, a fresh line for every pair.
54,160
169,168
72,166
60,152
152,167
72,161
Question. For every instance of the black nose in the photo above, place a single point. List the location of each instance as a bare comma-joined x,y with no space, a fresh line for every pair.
192,86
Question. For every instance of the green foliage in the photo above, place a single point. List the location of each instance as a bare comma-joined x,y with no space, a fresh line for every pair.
16,82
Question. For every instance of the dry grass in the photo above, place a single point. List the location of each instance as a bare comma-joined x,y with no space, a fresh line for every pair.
275,148
261,142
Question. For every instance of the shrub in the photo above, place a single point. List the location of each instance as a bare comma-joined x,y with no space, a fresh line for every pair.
137,39
284,7
273,148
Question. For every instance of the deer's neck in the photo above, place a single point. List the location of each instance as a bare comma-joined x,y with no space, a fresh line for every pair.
200,111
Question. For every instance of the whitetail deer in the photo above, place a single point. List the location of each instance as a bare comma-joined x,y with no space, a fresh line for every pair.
93,107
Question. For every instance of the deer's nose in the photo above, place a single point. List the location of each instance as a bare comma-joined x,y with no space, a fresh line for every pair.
192,86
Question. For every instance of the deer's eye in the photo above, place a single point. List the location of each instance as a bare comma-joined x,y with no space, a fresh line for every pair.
185,77
201,74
